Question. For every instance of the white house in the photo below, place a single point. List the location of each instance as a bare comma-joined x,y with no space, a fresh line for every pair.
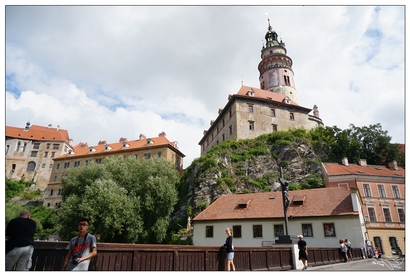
322,216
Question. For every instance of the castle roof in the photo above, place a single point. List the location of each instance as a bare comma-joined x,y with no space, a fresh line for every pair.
303,203
82,149
38,133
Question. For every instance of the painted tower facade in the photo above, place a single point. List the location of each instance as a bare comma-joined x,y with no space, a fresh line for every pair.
275,68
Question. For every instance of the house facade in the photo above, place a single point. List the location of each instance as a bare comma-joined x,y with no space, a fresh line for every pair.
82,154
322,216
382,193
255,111
30,152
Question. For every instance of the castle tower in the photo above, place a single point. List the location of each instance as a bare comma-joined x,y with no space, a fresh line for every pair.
275,69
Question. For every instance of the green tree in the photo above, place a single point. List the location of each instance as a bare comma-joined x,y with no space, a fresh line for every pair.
126,200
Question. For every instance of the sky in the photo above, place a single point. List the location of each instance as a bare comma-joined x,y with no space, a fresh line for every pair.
103,72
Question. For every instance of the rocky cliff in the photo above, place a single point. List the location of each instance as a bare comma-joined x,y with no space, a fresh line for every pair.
248,166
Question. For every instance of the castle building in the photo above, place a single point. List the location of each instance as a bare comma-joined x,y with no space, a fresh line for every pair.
30,152
382,197
252,112
82,154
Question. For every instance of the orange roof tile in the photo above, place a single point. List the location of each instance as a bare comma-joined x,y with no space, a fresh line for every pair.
316,202
334,169
264,94
82,149
38,133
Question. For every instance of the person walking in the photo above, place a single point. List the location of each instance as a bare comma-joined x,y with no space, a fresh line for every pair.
229,248
349,249
343,250
80,248
20,242
303,251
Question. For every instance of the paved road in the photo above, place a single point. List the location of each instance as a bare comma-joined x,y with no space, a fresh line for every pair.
393,264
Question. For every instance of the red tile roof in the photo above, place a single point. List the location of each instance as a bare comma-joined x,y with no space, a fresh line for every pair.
316,202
334,169
264,94
38,133
82,149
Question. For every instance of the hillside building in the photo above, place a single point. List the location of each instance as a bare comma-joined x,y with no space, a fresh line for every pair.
382,193
252,112
82,154
30,152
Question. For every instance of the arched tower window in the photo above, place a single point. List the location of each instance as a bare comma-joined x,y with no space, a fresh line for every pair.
31,166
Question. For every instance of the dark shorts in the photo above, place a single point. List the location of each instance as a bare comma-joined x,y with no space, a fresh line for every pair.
302,255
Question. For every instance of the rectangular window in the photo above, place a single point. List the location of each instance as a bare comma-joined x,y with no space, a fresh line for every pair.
401,214
209,231
60,191
250,108
366,189
396,192
36,146
43,165
257,231
51,166
372,214
273,112
53,154
34,153
46,154
387,216
251,125
230,130
98,160
147,155
56,146
223,137
66,165
382,192
307,230
292,116
230,112
237,231
278,229
48,145
159,153
76,164
58,166
274,128
55,178
51,192
329,229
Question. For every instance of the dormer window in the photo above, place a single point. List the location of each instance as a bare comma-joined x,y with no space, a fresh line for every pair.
250,93
92,150
149,141
125,145
107,147
286,100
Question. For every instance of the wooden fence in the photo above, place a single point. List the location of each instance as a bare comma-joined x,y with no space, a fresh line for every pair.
49,256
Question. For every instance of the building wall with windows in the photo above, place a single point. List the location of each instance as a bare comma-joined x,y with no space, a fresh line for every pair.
253,112
322,216
382,192
82,154
30,152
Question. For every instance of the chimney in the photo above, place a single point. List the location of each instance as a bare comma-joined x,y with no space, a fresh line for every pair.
345,161
50,125
315,111
220,110
393,165
162,134
27,126
58,127
102,142
122,139
362,162
142,136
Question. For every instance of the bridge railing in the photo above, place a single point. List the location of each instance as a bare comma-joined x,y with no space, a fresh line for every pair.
49,256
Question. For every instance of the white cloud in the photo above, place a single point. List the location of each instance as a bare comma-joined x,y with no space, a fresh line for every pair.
106,72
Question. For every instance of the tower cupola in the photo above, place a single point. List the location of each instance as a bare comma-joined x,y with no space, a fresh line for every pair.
275,68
